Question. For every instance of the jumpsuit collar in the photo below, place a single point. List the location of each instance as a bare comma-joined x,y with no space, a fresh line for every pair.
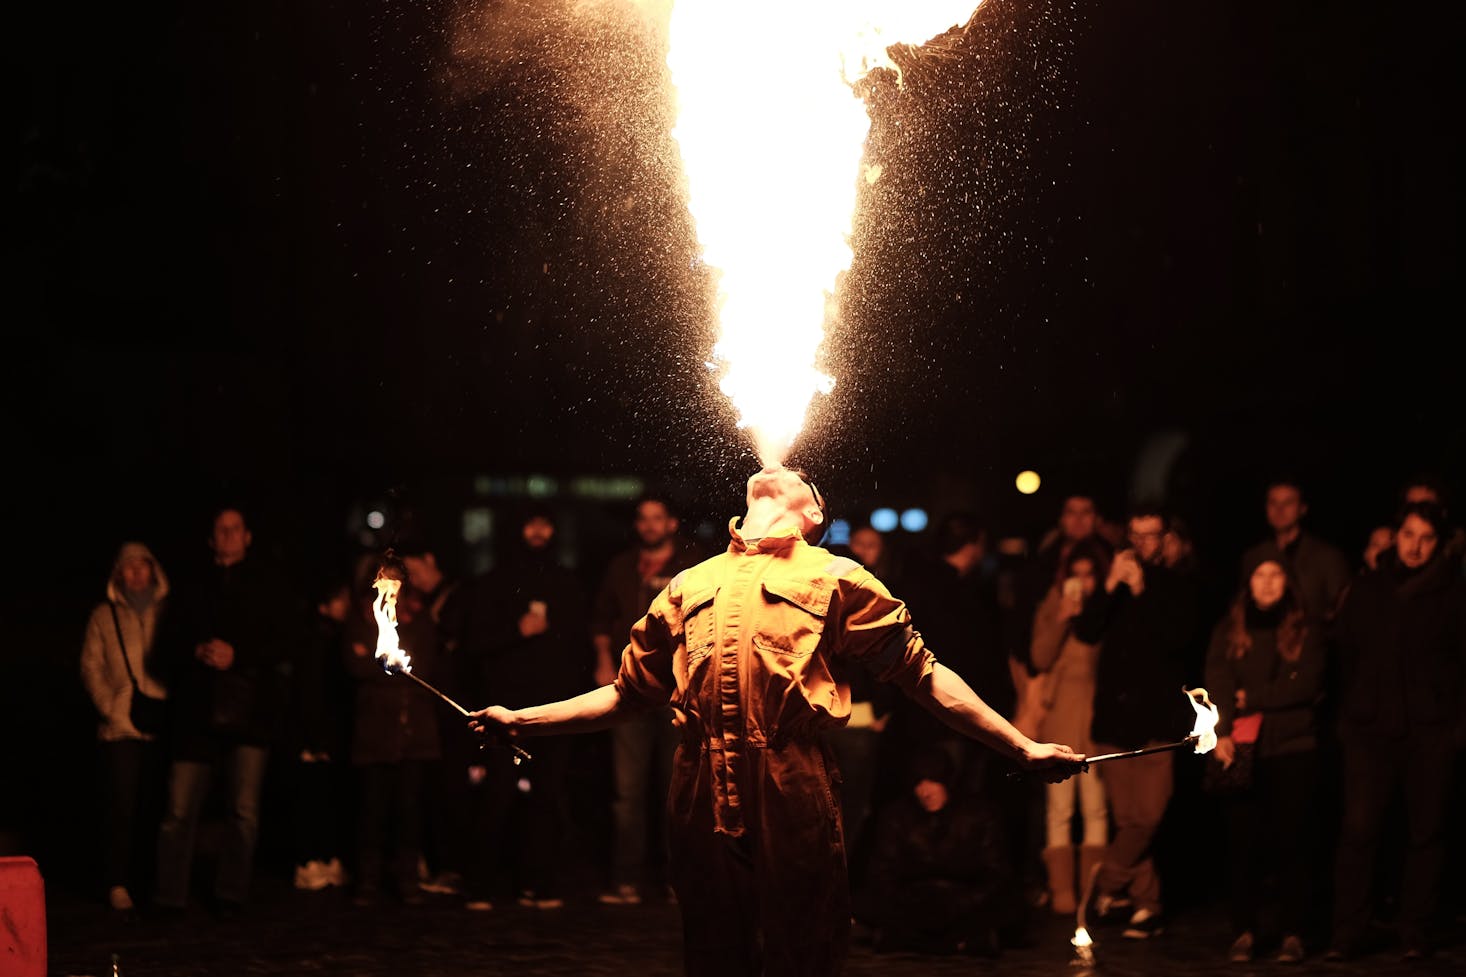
778,541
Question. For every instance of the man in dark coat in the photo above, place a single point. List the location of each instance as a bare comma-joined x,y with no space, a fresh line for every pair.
958,612
1402,637
224,643
1144,619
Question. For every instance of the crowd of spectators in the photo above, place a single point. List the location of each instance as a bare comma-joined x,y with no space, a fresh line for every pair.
1337,682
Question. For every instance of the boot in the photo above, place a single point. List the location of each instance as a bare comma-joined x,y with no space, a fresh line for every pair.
1090,859
1060,862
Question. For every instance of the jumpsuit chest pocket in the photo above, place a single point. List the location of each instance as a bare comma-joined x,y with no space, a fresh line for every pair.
699,626
792,619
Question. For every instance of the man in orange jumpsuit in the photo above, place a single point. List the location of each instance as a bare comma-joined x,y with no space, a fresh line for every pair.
749,648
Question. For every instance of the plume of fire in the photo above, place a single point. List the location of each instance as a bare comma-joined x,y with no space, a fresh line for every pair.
384,609
1205,730
771,136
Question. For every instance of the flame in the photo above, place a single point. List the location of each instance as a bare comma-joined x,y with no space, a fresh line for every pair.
384,609
771,136
1081,938
1205,729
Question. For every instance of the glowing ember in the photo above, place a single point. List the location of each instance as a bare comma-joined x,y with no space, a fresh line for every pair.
1205,729
771,136
384,609
1081,938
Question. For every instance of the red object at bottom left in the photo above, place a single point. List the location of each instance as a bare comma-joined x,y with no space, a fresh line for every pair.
22,918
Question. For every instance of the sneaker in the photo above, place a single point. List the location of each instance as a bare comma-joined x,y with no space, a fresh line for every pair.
622,895
119,899
1291,950
529,900
1241,951
478,905
1143,925
312,876
444,884
335,874
1108,906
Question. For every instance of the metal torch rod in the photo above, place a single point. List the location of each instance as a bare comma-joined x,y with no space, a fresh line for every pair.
1127,754
520,753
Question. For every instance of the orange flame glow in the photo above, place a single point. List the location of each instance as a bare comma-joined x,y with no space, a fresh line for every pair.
384,609
771,137
1205,729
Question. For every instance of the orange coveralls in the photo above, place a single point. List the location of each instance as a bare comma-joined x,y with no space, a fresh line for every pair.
748,647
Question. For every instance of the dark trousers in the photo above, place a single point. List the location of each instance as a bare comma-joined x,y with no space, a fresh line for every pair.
133,774
641,759
1270,831
516,832
1375,769
391,808
1139,791
317,802
449,804
775,900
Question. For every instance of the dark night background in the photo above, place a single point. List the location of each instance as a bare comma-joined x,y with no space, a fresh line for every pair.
322,256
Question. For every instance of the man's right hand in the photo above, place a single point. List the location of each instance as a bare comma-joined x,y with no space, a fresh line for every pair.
493,720
1226,751
1053,762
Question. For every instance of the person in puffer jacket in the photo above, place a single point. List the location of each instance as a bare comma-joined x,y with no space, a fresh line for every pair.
119,637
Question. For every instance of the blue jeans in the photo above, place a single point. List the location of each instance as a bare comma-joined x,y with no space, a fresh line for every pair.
639,749
188,787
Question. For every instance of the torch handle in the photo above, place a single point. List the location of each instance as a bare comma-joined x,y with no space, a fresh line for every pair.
520,753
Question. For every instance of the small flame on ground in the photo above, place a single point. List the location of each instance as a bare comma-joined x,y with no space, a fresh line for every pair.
384,609
771,138
1205,729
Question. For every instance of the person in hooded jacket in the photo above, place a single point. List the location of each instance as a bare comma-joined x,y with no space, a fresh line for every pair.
528,644
118,663
1265,673
1402,636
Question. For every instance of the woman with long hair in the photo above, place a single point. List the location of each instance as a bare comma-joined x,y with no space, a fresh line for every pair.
1066,670
1264,669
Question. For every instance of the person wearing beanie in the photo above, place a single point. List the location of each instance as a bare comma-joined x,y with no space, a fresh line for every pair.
117,664
1265,672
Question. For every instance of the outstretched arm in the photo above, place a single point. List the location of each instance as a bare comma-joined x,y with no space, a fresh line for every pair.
944,694
598,709
644,682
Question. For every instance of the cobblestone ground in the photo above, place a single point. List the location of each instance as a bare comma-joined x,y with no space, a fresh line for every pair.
289,932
